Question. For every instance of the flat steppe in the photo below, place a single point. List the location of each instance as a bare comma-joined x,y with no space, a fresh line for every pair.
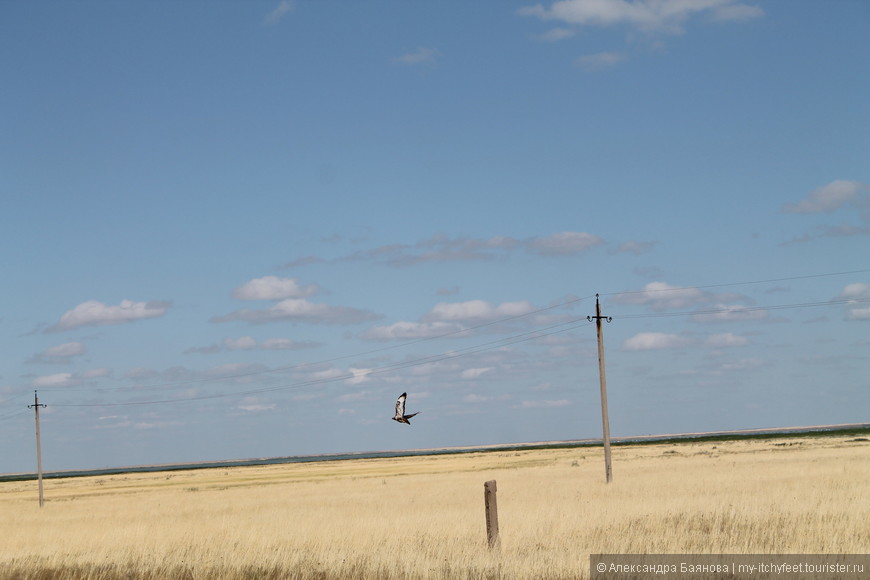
423,516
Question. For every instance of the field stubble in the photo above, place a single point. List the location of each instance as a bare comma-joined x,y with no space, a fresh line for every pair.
423,517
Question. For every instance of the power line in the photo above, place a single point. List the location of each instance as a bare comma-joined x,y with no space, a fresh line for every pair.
726,284
737,310
469,329
500,343
474,349
518,338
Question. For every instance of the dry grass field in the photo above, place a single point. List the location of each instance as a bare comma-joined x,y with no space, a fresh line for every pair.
423,517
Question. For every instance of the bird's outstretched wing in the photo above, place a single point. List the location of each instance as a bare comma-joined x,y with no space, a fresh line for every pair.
400,406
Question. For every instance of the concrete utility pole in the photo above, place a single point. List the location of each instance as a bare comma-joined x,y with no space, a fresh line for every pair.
604,415
35,406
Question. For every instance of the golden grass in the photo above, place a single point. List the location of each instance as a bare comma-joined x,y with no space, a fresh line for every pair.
423,517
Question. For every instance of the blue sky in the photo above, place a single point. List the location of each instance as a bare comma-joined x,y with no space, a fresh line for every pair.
242,229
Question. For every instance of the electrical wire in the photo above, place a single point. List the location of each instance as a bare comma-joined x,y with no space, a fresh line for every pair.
491,345
500,343
726,284
513,339
738,310
225,377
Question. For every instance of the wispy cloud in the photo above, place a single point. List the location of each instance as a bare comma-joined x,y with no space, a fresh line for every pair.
249,343
442,248
283,8
726,340
449,318
556,34
858,294
543,404
600,60
563,243
60,354
477,311
94,313
830,197
668,16
660,296
404,330
422,55
655,341
839,195
69,379
299,310
254,405
730,313
273,288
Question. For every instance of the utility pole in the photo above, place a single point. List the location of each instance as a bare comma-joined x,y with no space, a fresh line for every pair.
35,406
604,416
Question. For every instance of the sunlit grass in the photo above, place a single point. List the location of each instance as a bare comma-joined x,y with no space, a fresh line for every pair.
423,517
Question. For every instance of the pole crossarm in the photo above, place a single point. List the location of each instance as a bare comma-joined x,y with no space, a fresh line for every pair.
598,316
36,403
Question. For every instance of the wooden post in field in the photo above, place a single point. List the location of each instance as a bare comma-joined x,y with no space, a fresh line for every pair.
35,406
608,472
489,500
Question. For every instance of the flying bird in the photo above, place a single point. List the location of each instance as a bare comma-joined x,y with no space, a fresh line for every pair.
401,417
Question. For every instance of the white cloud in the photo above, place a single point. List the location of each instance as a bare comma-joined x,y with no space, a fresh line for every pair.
477,310
404,330
654,341
254,405
249,343
662,296
66,349
273,288
68,379
233,370
730,313
241,343
95,373
359,376
545,404
856,313
746,364
725,340
647,15
93,313
60,354
729,12
473,398
828,198
600,60
856,292
286,344
564,243
441,248
299,310
327,374
283,8
420,56
55,380
469,374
